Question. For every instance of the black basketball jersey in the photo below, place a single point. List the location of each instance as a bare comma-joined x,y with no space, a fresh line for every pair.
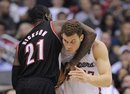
39,51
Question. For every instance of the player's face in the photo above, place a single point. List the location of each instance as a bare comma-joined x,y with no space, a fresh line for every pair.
71,43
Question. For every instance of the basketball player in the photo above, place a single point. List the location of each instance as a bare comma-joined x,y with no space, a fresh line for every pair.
36,66
93,70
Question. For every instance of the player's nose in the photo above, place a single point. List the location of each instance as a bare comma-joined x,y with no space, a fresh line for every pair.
69,47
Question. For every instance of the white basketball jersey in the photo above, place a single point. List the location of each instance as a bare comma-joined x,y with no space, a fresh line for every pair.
87,63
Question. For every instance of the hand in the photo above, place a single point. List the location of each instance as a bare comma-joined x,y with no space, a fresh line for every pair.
78,74
67,68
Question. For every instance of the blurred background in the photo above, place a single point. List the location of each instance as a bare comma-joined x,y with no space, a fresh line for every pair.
109,18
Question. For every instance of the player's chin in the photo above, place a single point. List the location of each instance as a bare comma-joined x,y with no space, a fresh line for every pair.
70,51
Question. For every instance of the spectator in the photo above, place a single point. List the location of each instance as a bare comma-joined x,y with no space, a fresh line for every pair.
126,15
126,4
125,32
62,16
58,7
23,30
108,24
126,91
44,2
4,15
95,18
106,38
21,10
124,59
85,12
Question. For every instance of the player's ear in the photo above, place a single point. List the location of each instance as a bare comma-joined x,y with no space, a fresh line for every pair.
81,37
48,17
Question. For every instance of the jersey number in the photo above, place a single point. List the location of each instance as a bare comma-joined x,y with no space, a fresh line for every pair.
30,51
91,72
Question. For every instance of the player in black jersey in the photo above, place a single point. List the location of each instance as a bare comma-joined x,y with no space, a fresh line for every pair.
36,66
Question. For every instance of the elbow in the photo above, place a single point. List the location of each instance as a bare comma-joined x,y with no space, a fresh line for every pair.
91,36
109,81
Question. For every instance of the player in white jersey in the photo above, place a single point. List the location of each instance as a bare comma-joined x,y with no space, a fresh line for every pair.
93,71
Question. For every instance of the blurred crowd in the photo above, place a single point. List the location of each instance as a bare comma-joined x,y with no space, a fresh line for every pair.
109,18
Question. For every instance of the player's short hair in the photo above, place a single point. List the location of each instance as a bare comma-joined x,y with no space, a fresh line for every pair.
38,12
72,27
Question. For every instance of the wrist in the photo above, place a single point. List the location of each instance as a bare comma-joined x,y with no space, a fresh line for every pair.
88,78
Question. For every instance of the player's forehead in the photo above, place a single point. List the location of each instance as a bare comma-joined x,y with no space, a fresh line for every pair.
70,38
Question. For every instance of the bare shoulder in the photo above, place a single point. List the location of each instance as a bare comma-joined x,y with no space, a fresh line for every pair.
99,49
98,44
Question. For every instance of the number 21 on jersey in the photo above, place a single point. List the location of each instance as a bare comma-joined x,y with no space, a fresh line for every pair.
30,50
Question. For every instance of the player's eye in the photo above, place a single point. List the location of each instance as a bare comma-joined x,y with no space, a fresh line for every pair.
73,42
65,41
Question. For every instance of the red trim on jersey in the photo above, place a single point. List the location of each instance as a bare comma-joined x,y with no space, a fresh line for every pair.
54,31
99,89
52,26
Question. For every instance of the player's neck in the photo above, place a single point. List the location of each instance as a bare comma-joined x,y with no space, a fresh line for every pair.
66,52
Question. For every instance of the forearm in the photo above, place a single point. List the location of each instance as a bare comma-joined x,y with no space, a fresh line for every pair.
89,37
99,81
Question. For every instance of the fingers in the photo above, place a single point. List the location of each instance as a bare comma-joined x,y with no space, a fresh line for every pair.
76,76
77,68
75,72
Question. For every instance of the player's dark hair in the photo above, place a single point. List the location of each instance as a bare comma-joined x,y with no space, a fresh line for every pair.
72,27
38,12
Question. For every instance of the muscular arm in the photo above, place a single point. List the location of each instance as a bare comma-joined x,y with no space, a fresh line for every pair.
103,65
89,37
